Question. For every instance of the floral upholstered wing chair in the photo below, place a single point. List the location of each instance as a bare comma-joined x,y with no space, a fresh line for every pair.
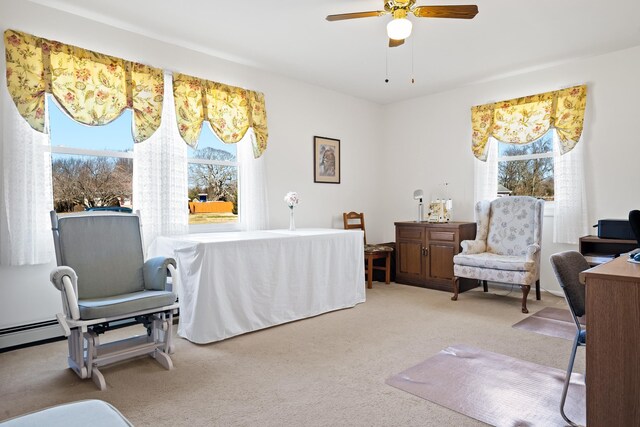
507,245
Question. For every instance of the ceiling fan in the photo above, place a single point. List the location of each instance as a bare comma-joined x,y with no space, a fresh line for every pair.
399,28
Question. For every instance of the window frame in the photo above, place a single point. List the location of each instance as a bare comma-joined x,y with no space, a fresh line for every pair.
549,206
77,151
74,151
61,149
213,227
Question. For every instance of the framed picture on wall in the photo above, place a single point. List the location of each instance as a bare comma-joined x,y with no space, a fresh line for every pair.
326,160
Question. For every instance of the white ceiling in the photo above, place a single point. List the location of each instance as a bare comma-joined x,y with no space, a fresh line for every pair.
292,38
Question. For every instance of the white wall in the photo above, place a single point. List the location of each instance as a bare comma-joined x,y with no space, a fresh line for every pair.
428,141
296,112
387,151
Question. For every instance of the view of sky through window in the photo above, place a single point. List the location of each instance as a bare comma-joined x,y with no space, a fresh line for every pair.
115,136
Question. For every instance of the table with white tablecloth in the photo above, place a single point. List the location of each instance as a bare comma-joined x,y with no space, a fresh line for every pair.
236,282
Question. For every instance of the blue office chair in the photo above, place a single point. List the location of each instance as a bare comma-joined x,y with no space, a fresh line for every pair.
567,266
103,278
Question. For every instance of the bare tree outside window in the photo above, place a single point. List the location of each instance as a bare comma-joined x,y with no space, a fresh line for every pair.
213,177
527,170
219,182
82,182
92,166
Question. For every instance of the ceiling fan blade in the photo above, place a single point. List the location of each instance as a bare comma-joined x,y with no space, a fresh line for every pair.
459,12
354,15
395,43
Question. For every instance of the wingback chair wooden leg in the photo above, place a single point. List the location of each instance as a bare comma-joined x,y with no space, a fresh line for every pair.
485,286
538,289
456,288
525,293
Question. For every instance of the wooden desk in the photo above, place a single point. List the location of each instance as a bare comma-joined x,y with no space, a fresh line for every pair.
613,343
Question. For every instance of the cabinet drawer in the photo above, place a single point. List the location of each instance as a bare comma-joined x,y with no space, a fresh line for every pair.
410,233
444,236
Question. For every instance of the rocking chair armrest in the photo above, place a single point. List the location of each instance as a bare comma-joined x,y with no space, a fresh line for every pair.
175,280
155,272
473,247
65,280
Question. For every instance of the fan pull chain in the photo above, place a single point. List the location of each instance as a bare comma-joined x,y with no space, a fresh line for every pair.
412,74
386,72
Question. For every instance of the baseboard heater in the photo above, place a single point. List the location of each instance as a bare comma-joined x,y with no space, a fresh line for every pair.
31,334
43,332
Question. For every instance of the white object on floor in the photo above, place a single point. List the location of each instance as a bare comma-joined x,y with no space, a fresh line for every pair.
94,413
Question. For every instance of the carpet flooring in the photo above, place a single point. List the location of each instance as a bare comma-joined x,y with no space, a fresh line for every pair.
326,370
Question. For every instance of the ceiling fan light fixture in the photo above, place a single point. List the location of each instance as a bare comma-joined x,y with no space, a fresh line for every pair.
399,28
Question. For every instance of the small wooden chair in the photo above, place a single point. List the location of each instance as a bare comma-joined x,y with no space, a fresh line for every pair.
354,220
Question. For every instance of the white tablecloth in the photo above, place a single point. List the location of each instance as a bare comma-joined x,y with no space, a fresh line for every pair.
237,282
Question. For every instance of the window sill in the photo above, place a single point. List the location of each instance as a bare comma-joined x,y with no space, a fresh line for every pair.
214,228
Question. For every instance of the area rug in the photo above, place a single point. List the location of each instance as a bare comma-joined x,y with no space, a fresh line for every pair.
494,388
553,322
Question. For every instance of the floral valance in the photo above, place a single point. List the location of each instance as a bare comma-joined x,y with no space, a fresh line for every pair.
92,88
230,111
523,120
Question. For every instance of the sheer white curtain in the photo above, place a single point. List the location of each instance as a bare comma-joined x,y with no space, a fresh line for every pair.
570,210
252,187
486,174
25,190
160,177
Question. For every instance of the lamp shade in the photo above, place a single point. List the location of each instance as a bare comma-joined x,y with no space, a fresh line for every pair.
399,28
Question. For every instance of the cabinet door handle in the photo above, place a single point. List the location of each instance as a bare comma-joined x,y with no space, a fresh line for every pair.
425,251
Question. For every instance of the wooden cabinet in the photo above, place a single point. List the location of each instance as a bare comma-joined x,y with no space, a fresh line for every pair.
424,253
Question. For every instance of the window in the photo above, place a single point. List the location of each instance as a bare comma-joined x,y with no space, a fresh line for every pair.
213,181
92,169
92,166
527,170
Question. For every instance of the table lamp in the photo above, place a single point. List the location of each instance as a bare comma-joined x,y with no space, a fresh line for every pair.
417,195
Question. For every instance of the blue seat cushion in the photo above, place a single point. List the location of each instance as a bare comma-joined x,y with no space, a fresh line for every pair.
105,251
122,304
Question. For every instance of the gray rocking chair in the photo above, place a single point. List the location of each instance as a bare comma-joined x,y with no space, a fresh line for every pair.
103,278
